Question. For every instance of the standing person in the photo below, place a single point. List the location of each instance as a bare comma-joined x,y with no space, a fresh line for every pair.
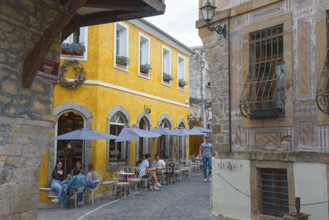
57,177
145,172
159,166
206,153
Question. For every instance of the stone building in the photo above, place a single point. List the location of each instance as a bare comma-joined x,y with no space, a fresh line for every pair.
270,107
199,96
31,31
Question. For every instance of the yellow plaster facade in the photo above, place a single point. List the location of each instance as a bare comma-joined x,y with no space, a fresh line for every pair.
108,88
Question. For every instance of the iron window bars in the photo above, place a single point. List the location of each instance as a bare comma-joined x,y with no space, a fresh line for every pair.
263,92
273,192
322,90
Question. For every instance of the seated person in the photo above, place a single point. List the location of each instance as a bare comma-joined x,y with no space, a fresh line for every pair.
57,179
114,153
78,180
92,178
145,172
159,165
139,162
78,165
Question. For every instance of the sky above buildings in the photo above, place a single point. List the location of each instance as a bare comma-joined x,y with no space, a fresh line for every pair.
179,21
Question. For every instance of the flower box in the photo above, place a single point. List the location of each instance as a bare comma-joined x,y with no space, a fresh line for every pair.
122,61
145,68
167,77
73,49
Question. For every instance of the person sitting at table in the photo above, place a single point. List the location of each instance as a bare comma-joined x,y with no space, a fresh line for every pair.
92,177
145,172
78,180
139,162
57,179
159,166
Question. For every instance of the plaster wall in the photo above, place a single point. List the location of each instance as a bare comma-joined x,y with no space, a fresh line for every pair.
311,187
108,88
228,202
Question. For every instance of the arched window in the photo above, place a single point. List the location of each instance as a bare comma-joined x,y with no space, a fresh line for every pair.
118,151
181,144
165,141
144,144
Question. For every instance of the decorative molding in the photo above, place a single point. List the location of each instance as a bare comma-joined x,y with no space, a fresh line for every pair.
123,89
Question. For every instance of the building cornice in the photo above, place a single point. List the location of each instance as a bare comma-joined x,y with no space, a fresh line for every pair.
235,11
160,34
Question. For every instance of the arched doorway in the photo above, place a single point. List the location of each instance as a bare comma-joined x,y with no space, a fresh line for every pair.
144,144
118,151
164,147
70,151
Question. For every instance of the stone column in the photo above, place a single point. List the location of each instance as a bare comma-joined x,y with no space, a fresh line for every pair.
217,54
26,124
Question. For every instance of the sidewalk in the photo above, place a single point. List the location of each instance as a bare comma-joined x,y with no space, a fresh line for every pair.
187,199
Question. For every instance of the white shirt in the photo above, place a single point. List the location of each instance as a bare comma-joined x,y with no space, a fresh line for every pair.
143,168
159,164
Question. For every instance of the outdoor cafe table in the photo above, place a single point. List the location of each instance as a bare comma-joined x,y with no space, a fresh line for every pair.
125,176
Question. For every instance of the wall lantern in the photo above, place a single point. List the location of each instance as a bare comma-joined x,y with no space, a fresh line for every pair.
207,12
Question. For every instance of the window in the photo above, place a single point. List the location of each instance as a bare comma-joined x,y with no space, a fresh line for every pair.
121,59
165,141
118,151
144,56
273,192
263,93
181,73
166,66
322,90
75,46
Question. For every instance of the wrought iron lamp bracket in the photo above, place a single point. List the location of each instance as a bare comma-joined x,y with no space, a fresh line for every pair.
221,30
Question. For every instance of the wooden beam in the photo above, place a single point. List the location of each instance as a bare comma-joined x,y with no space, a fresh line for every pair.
36,57
76,22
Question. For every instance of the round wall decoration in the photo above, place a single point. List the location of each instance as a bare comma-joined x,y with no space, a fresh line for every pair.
79,72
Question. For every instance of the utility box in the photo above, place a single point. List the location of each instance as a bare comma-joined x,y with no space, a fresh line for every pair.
295,216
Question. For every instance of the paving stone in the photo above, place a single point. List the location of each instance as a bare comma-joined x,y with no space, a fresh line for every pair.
187,199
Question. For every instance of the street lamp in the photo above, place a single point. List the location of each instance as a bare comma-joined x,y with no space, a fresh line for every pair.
207,12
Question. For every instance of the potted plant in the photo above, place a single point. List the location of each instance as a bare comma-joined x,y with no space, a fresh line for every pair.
65,48
167,78
182,83
79,49
145,68
122,61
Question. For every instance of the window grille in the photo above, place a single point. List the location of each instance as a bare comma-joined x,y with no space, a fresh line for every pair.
263,92
273,192
322,90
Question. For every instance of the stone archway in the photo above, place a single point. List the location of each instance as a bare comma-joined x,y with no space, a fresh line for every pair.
87,116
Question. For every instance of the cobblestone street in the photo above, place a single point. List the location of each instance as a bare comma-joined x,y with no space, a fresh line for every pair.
184,200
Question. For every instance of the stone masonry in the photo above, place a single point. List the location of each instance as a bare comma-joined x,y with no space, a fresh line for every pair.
26,124
216,48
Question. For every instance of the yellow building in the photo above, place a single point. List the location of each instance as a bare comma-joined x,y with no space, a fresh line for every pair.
116,94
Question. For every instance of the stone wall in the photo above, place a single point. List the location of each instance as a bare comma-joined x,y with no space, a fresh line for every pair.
199,88
216,49
26,124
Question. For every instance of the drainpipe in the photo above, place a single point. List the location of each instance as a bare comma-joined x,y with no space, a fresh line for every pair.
229,83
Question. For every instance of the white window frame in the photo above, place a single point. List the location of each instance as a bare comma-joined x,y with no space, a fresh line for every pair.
124,46
84,39
145,55
166,68
181,67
